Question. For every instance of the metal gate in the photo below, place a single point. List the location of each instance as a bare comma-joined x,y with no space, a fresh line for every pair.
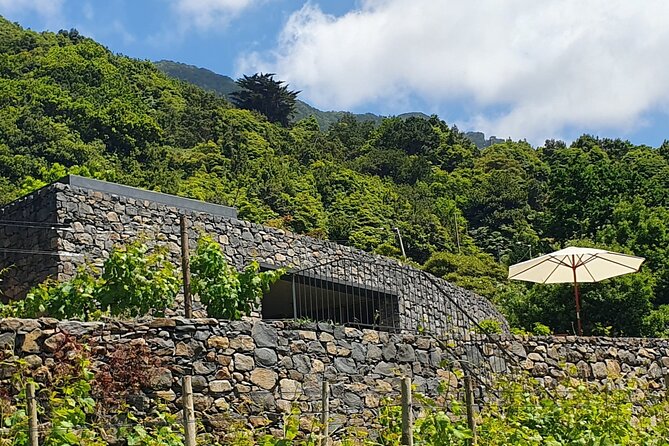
348,292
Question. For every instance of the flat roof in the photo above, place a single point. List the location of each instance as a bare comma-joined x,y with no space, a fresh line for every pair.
143,194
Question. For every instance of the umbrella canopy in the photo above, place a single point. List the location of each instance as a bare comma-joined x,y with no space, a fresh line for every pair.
575,265
591,265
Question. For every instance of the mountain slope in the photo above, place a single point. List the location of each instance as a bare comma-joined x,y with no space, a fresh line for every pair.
203,78
224,85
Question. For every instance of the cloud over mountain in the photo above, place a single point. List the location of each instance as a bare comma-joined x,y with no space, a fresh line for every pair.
205,14
48,9
521,68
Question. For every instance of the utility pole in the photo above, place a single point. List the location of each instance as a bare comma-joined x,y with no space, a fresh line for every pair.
457,232
528,246
399,236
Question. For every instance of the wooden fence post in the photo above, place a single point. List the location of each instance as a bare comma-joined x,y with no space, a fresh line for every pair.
33,431
666,386
469,401
407,413
188,411
325,415
185,267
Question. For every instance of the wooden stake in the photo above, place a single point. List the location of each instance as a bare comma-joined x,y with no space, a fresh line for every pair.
469,401
407,413
188,411
185,267
325,415
33,431
666,386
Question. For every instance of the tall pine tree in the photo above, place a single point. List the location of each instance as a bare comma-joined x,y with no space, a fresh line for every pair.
265,95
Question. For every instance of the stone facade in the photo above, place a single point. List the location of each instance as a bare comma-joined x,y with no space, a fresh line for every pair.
28,244
601,359
97,219
256,369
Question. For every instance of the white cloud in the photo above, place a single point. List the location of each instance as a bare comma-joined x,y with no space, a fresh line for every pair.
121,31
49,10
548,65
206,14
88,11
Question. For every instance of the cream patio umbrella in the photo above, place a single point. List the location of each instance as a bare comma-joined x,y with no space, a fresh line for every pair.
575,265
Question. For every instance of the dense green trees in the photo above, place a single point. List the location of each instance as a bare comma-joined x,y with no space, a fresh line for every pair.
67,104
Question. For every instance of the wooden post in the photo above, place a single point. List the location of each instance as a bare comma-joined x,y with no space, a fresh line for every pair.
33,431
325,415
407,413
469,401
185,267
188,411
666,386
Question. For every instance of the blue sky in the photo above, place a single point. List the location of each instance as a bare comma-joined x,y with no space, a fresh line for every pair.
521,69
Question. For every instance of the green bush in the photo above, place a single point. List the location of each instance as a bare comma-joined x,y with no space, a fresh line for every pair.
579,413
135,281
540,329
63,300
489,326
226,292
525,414
69,410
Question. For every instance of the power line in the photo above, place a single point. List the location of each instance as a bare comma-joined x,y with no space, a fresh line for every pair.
33,224
38,252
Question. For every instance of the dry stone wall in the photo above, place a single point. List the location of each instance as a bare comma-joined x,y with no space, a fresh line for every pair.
259,370
28,246
602,359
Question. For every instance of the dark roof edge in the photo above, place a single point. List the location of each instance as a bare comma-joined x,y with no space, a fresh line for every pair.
142,194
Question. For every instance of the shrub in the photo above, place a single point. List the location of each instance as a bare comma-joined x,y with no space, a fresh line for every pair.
227,293
489,326
135,281
63,300
540,329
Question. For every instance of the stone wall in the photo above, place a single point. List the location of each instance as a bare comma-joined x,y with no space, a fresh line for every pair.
257,370
249,368
28,246
98,220
601,359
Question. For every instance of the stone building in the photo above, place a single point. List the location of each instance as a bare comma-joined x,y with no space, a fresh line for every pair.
52,231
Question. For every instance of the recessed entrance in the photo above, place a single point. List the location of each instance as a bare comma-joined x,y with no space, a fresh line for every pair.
317,298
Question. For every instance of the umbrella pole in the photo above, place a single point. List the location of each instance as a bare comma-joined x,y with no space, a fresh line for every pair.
578,304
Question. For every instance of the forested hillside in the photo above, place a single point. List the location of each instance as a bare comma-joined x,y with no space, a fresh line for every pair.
224,85
67,104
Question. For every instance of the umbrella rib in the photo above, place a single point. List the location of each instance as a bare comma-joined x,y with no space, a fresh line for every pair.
561,262
582,262
589,273
588,260
617,263
554,269
529,268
